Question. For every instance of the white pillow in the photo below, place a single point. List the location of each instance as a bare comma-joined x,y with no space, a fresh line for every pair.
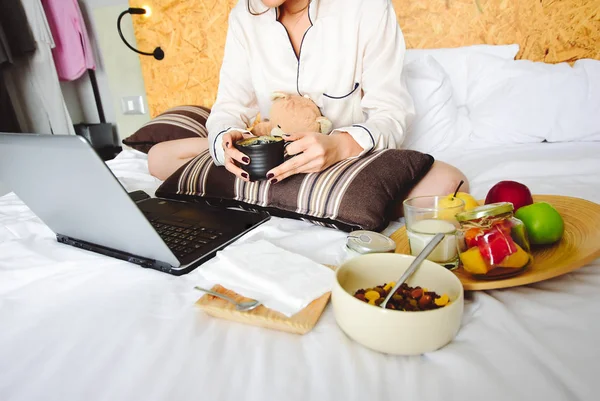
455,62
525,102
434,125
578,114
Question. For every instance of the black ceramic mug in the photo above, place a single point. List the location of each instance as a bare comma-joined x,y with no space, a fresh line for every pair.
265,153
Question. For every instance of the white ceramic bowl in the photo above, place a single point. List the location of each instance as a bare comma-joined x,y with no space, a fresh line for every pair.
390,331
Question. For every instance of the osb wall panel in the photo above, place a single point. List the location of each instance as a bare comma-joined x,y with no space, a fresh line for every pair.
192,34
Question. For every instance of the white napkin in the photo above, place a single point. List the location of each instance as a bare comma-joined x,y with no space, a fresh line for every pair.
281,280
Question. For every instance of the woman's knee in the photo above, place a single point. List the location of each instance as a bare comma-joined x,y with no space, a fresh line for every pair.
452,176
442,179
156,160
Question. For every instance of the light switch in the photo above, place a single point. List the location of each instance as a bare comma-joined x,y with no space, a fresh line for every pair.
133,105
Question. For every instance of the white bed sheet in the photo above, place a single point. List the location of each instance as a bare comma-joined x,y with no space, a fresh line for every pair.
79,326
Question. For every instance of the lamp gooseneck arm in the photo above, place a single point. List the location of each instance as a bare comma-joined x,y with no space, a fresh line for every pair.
158,53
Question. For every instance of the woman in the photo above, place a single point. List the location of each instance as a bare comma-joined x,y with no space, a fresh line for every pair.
346,55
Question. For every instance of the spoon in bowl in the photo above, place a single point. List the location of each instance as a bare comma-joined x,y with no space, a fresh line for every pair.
414,265
241,306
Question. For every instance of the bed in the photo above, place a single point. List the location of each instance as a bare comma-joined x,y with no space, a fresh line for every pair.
76,326
80,326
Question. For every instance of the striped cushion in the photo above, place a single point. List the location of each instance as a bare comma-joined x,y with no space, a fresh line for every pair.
176,123
350,195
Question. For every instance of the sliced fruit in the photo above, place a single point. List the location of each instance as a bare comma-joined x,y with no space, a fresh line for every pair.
442,301
504,225
494,246
519,235
517,260
372,295
473,262
471,236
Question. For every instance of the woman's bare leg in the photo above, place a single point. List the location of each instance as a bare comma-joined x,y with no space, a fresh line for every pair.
165,158
441,179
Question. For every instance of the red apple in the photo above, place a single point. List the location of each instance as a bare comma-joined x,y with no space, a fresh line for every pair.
510,191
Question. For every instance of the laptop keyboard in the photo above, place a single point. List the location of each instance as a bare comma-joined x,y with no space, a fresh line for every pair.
184,239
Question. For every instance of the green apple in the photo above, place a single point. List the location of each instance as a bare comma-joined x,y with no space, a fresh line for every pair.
543,223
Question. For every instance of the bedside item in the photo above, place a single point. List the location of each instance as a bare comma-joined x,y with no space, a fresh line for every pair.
355,194
84,204
265,153
362,242
428,215
414,266
578,246
158,53
301,323
293,290
493,243
290,113
281,280
186,121
239,306
138,196
396,332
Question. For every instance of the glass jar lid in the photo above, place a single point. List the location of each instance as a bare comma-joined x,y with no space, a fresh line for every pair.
489,210
363,242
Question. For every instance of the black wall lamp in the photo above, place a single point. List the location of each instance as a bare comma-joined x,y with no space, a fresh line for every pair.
158,53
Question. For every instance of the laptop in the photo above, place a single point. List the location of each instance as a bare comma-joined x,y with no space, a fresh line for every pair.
66,184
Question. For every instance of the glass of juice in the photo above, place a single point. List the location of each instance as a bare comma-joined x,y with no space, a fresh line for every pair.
428,215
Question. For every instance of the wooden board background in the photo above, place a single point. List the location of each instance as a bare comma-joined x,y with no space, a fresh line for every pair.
192,33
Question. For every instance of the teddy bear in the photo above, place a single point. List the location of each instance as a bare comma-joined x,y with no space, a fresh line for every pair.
292,113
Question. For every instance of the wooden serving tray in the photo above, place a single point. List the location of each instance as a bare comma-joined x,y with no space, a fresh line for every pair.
579,246
300,323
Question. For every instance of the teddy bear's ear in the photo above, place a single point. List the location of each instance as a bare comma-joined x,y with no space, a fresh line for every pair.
325,125
261,129
279,95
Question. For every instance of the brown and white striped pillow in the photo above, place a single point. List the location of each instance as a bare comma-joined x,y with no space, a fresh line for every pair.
350,195
176,123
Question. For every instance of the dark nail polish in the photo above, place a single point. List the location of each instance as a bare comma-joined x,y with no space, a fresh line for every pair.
244,175
270,175
245,160
273,181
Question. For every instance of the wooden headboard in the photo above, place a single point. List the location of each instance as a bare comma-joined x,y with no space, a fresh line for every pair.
192,33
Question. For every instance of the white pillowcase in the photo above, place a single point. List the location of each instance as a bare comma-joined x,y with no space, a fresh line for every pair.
522,101
578,115
455,62
479,96
434,125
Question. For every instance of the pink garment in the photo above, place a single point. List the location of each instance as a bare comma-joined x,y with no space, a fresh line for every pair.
73,54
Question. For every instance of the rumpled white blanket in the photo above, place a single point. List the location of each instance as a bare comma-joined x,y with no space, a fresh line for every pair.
79,326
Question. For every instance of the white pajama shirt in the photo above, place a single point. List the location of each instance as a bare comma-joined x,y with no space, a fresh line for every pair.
350,65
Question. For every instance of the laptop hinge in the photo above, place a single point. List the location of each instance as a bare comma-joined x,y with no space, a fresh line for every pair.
138,260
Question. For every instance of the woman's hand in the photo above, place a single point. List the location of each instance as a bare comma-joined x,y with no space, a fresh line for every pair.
232,154
314,152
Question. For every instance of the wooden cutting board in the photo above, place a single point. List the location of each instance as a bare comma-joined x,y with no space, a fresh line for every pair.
300,323
579,246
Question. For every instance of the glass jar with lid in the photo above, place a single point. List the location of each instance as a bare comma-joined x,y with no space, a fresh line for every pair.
362,242
492,243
